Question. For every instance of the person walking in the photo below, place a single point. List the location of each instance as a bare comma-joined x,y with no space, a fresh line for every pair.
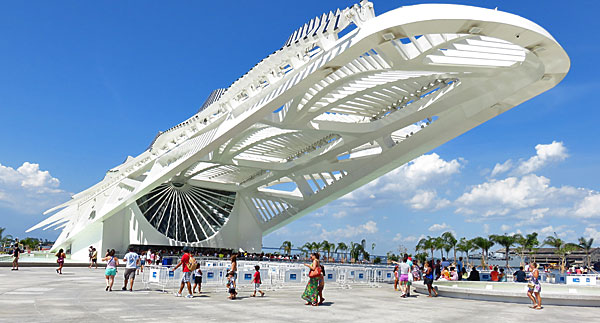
233,270
404,269
94,258
321,285
311,291
197,280
132,261
534,287
256,280
185,262
60,261
111,269
428,278
396,278
16,253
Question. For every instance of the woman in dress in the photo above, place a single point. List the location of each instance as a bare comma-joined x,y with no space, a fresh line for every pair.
111,269
311,292
534,286
60,261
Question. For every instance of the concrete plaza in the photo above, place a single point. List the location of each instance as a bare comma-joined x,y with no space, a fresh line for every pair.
40,295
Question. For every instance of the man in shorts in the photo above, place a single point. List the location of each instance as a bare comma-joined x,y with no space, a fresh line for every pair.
186,276
132,261
94,258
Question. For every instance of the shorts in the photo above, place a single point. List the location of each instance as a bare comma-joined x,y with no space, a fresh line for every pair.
404,278
110,272
198,280
186,277
256,286
427,281
94,260
129,273
142,262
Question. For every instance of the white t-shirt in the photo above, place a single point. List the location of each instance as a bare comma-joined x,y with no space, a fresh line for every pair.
131,258
404,268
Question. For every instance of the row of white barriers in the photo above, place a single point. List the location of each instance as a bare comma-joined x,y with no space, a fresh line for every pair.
273,275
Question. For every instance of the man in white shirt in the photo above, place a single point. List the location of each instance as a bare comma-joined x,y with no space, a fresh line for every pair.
132,261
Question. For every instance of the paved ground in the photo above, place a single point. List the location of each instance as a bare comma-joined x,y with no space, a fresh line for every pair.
40,295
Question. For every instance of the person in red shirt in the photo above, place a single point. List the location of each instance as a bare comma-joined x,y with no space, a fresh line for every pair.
186,275
257,281
494,274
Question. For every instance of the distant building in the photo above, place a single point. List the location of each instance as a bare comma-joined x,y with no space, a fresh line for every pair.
546,256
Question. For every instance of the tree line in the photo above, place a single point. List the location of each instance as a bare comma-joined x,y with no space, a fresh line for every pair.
519,243
353,250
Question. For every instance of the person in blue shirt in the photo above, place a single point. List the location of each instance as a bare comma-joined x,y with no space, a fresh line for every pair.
459,267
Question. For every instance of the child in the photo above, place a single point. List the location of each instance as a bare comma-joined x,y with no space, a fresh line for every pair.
257,281
197,280
231,286
321,285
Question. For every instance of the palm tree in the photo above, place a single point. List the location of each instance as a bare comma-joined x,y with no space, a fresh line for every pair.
465,246
450,243
587,246
506,241
562,249
325,247
439,245
286,246
316,247
526,243
356,249
373,247
343,248
484,244
426,244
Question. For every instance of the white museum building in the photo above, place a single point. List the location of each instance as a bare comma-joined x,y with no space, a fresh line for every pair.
349,97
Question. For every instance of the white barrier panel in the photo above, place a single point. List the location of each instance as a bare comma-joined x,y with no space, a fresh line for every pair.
331,275
154,276
582,280
385,275
360,276
212,274
293,276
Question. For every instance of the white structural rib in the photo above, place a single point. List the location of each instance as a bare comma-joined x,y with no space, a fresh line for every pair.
317,119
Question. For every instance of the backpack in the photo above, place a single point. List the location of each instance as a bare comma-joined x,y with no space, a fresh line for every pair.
192,264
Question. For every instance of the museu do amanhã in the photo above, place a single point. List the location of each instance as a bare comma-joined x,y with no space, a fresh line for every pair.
313,121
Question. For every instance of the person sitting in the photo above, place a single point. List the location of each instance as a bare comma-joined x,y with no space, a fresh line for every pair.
474,275
520,276
494,275
453,274
502,275
445,274
464,274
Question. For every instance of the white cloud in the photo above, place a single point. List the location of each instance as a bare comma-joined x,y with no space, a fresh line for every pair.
413,183
410,239
545,154
28,189
427,200
370,227
504,228
340,214
592,233
486,228
589,207
502,168
439,227
399,238
500,197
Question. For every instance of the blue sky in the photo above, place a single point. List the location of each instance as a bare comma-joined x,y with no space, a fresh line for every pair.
83,85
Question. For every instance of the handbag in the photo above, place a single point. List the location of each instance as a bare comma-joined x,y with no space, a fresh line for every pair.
315,272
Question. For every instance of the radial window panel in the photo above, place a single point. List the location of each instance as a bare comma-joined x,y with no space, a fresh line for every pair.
187,213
